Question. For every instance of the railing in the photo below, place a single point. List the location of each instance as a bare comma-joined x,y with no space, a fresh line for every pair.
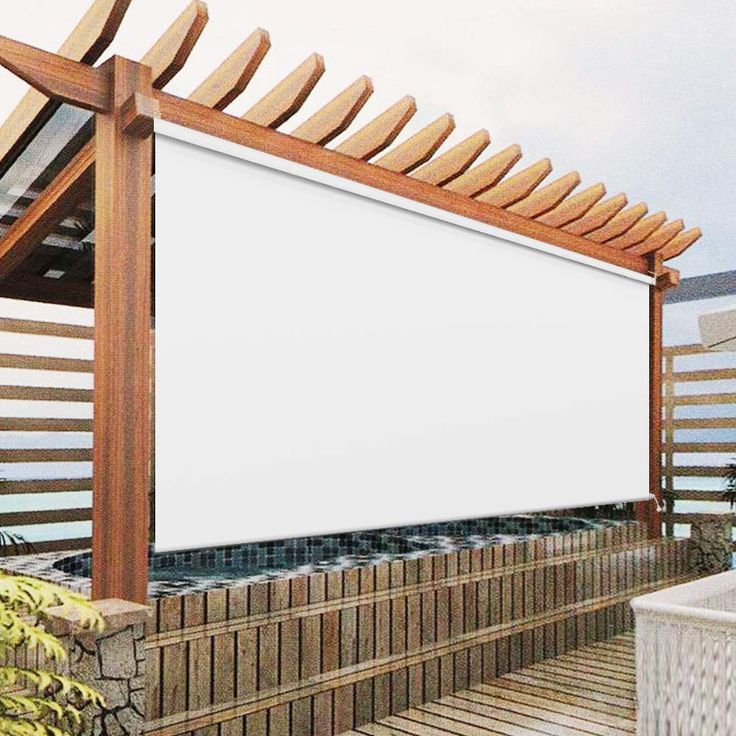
45,432
699,432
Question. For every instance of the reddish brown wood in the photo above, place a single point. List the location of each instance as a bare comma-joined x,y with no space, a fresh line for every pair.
656,302
214,122
64,193
86,43
122,404
57,77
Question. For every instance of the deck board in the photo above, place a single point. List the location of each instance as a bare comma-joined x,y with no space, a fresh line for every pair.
588,692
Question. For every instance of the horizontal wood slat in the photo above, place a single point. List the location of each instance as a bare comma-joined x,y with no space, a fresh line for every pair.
678,387
42,363
60,545
694,349
64,455
698,471
712,374
50,329
700,399
709,423
45,486
56,516
43,393
29,424
701,447
696,495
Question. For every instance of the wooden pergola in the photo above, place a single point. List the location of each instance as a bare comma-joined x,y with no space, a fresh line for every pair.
67,241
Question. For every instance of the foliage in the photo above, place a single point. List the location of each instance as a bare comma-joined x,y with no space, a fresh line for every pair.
36,702
730,493
14,544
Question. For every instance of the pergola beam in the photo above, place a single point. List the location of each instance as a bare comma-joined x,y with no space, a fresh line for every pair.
55,76
86,43
165,58
44,214
214,122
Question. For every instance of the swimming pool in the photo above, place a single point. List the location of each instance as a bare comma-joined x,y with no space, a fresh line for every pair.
220,567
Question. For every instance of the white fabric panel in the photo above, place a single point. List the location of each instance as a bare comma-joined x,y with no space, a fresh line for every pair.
326,363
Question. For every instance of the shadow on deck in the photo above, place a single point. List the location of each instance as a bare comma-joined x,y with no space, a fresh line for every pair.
587,691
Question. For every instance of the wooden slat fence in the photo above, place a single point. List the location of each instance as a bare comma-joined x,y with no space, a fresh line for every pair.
684,386
320,654
22,463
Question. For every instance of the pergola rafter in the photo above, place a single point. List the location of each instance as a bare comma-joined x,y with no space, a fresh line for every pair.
86,43
627,233
127,95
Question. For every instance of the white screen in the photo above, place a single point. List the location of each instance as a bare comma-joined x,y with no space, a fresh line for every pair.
326,362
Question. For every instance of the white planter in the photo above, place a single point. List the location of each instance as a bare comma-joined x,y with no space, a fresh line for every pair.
686,658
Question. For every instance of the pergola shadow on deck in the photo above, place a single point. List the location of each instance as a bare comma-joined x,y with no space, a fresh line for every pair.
591,690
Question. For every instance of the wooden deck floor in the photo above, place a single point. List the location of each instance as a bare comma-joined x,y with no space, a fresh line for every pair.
587,691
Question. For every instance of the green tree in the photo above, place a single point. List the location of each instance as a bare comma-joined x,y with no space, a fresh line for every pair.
39,702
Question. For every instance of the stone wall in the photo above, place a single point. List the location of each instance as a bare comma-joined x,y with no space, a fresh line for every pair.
710,543
112,661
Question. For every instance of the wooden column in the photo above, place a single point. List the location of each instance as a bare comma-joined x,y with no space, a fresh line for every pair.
122,391
649,511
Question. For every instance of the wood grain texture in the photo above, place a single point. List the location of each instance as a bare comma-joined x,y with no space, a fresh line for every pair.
639,232
55,516
485,174
31,424
335,117
287,96
658,238
65,455
43,393
597,216
240,131
169,54
62,196
55,76
42,363
380,132
573,208
678,245
231,78
123,402
414,665
50,329
418,148
618,224
656,316
544,199
86,43
74,183
518,186
449,165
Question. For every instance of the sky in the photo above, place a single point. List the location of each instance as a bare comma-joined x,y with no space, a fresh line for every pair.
637,94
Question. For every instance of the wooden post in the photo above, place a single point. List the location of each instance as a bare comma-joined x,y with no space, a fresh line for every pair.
656,302
122,391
